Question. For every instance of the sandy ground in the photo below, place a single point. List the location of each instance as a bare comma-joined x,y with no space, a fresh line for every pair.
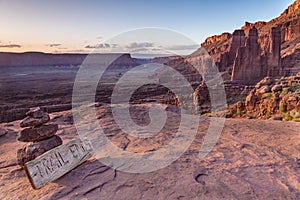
252,160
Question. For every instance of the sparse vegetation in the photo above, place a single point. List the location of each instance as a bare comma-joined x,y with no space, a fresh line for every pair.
238,112
297,120
268,115
284,92
282,107
293,84
267,95
288,117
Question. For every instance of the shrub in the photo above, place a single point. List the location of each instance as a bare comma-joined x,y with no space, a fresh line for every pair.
282,107
267,95
297,120
268,114
284,92
238,112
294,84
288,117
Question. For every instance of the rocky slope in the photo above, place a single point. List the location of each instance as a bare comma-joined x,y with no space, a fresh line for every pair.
271,99
253,159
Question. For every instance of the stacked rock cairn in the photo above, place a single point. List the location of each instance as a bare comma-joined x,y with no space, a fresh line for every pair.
38,133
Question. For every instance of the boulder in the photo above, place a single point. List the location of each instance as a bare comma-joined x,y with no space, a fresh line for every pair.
276,88
251,101
240,105
30,121
37,133
276,96
266,81
35,112
264,89
34,150
272,105
277,118
291,102
201,98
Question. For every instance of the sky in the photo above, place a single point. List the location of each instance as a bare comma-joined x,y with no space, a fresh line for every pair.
85,25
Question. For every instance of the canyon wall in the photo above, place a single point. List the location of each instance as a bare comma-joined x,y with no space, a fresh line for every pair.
278,41
252,63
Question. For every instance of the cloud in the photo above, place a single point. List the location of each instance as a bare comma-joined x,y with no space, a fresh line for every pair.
183,47
130,46
10,46
156,49
135,45
140,50
146,50
53,45
101,46
74,51
142,47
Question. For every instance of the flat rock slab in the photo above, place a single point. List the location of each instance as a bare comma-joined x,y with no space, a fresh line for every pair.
37,133
31,122
57,162
34,150
35,112
2,132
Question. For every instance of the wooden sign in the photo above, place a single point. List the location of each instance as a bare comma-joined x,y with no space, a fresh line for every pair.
57,162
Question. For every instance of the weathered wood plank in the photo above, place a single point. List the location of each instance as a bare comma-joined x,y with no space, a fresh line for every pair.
57,162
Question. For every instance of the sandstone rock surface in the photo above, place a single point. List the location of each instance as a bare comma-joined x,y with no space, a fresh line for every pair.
38,133
35,112
276,88
253,159
30,121
36,149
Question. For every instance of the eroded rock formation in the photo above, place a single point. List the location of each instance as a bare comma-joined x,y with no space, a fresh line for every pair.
278,40
247,65
247,57
274,58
